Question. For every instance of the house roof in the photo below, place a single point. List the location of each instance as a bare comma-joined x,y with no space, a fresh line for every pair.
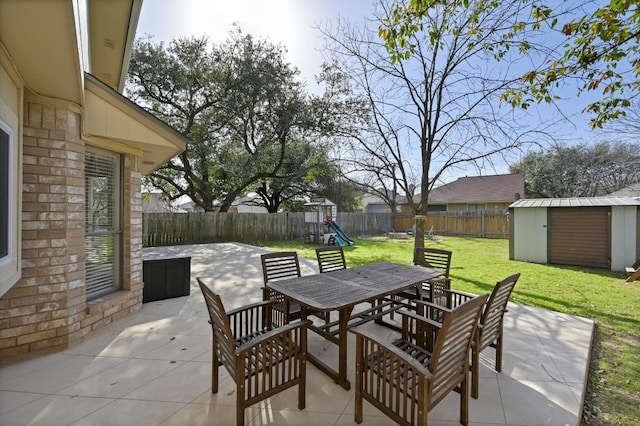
479,189
76,54
153,202
629,191
576,202
52,42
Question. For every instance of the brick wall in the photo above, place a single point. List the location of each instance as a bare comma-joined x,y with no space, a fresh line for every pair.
47,308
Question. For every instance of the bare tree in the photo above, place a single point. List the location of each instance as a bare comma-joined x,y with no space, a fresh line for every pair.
628,125
580,170
436,111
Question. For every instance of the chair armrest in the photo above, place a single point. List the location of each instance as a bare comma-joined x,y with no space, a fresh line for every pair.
432,310
431,322
387,349
252,306
457,298
297,327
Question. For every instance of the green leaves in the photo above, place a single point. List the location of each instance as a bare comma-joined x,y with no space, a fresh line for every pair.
607,38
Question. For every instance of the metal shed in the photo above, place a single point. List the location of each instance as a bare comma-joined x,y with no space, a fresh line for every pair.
599,232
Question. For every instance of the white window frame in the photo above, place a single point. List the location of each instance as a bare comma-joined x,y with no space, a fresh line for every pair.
10,268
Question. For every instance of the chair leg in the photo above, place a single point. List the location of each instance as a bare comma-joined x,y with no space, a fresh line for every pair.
214,369
240,404
475,371
302,386
464,401
499,352
358,384
239,416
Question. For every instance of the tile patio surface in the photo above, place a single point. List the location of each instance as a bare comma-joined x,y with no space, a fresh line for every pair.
153,367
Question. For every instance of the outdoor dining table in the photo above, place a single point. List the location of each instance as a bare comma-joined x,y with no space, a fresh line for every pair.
341,291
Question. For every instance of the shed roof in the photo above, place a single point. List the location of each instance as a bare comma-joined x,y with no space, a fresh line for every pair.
576,202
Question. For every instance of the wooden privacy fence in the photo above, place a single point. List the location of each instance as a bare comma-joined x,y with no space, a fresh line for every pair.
161,229
484,224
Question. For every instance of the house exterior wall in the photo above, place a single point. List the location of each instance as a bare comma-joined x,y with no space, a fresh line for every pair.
47,309
456,207
10,113
498,206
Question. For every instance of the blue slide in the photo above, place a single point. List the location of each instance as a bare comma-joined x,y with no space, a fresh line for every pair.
342,238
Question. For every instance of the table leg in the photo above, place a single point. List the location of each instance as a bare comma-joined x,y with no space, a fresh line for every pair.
340,376
344,315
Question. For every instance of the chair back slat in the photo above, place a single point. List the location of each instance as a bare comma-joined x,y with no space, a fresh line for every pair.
435,258
450,359
222,335
276,266
330,259
496,306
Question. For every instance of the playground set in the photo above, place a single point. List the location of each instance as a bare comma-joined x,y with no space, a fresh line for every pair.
320,224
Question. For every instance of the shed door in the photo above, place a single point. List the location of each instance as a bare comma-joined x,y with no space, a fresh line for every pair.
580,236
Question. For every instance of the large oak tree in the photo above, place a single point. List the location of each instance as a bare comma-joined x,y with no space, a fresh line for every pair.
246,114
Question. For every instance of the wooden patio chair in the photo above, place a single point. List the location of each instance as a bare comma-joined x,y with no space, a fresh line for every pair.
279,266
330,259
490,328
432,290
404,379
439,259
633,271
261,359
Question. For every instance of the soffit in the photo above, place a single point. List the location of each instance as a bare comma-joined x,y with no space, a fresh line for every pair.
112,28
114,122
40,38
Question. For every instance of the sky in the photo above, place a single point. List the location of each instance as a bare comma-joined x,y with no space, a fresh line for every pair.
292,23
287,22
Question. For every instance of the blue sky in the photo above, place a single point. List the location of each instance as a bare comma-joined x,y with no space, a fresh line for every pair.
287,22
291,23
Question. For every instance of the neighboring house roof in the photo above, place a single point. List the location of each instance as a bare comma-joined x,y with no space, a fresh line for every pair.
157,203
245,204
479,189
576,202
629,191
373,203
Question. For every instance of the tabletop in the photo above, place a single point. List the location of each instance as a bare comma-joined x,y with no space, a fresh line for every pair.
347,287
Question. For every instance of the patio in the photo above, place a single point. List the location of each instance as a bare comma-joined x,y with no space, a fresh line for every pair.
153,367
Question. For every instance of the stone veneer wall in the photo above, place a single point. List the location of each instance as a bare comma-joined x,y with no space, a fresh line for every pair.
47,309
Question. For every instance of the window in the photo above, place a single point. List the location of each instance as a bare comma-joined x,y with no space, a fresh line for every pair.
475,207
5,209
9,211
433,208
103,224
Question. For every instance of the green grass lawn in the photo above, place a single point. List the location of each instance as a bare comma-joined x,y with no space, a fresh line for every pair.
477,264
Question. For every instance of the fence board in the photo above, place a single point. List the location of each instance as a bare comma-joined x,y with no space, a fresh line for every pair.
159,229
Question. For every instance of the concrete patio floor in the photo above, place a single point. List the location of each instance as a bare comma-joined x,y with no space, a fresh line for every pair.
153,367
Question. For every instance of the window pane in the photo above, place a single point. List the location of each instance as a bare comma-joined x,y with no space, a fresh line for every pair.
4,193
101,259
103,230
